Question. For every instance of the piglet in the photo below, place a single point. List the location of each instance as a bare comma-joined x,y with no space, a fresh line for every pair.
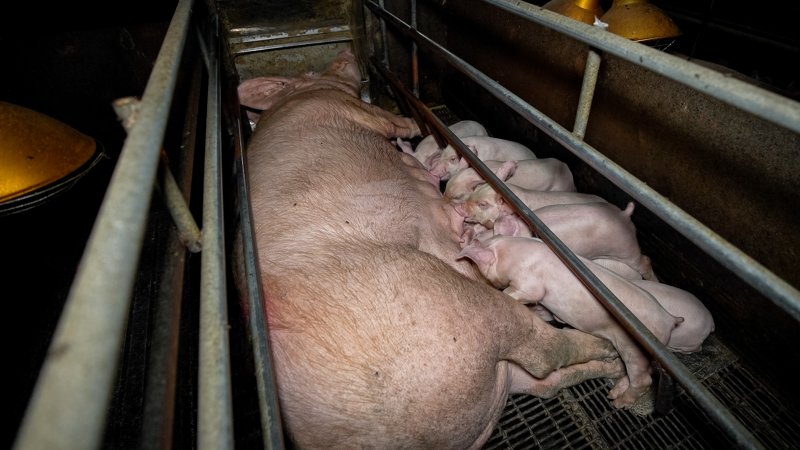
527,270
485,148
548,174
689,336
598,231
485,205
428,150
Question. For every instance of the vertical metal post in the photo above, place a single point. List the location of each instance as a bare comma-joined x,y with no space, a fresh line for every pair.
414,58
215,404
587,93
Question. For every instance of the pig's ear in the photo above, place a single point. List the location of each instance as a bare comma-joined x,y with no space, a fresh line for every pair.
482,256
260,92
506,169
463,164
474,184
405,146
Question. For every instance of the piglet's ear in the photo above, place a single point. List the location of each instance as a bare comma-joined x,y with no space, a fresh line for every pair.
405,146
506,169
482,256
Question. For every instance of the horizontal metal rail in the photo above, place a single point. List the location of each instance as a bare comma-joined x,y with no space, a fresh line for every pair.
709,403
752,99
71,398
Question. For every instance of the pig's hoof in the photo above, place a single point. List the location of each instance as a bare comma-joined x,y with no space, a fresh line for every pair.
620,386
645,404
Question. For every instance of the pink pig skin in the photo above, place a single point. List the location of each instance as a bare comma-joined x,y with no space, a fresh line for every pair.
380,338
592,230
486,148
689,336
428,151
530,272
548,174
485,205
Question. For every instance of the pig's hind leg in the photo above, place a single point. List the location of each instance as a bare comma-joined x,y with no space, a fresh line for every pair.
523,383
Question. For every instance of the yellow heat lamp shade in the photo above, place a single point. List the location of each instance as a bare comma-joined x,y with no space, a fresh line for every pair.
581,10
37,151
639,21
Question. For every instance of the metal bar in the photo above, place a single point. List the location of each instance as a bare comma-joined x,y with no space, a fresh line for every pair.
265,48
259,335
215,404
69,403
162,366
748,269
587,93
127,109
757,101
712,406
414,58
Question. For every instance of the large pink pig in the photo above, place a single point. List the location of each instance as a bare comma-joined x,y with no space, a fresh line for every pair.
485,205
547,174
486,148
526,269
380,338
428,151
597,231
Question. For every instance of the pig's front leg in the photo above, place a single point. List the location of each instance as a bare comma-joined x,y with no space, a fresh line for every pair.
379,120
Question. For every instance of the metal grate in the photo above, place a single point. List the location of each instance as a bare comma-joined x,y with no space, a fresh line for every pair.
582,417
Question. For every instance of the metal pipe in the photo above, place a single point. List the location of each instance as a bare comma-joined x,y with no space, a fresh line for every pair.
69,403
127,109
296,44
259,335
162,366
749,270
745,96
587,93
215,404
414,58
707,401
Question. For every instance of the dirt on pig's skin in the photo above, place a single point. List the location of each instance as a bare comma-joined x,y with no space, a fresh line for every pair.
380,337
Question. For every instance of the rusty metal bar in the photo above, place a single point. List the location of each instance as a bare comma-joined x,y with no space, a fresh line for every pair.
69,405
215,404
706,400
414,58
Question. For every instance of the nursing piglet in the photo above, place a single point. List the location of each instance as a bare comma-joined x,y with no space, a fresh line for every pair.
597,231
427,151
485,205
548,174
380,337
527,270
485,148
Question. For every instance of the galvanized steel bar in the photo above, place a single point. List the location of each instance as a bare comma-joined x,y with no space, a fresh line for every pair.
759,102
215,404
587,93
259,335
713,407
71,398
127,109
751,271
